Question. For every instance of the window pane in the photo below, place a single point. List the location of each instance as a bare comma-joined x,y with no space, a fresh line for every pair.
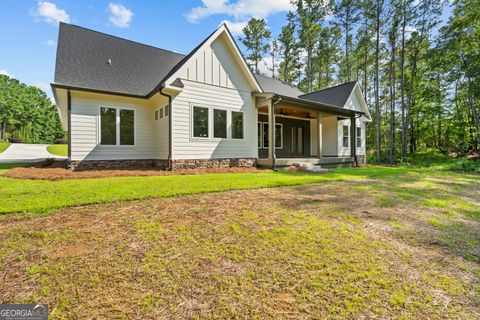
108,126
237,125
127,127
345,142
156,114
300,140
265,135
161,113
166,111
200,122
219,123
345,131
359,137
260,136
278,135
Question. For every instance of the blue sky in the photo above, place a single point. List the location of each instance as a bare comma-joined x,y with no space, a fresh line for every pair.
29,28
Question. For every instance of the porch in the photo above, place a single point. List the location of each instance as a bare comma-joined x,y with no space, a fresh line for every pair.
292,130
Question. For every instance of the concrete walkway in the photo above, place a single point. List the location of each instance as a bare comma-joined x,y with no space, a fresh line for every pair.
20,152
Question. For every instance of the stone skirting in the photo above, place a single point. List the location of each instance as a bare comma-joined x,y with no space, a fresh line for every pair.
361,160
163,164
214,163
117,164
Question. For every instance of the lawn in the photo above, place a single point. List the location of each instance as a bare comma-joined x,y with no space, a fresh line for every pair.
58,149
372,242
4,146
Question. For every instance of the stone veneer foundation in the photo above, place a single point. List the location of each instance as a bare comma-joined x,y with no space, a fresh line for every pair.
163,164
361,160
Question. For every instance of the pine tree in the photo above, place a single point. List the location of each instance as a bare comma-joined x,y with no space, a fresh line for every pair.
255,39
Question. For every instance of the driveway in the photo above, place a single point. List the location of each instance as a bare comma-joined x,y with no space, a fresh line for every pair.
20,152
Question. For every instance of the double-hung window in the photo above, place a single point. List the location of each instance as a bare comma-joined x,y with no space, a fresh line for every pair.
345,136
117,126
200,122
359,137
263,135
219,123
237,125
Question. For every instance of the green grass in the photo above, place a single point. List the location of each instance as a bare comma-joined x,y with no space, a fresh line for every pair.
4,146
58,149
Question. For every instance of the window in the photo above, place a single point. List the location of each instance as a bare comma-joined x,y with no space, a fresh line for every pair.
117,125
166,110
156,115
237,125
263,135
345,136
108,125
260,135
127,123
278,136
219,123
359,137
200,122
160,112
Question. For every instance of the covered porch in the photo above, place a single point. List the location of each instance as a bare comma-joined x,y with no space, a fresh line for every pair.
293,130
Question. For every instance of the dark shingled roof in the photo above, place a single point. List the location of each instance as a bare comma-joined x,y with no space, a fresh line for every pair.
335,96
136,69
279,87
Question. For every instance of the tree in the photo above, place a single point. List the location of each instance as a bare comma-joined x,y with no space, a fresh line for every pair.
255,39
27,113
308,16
273,48
289,52
346,16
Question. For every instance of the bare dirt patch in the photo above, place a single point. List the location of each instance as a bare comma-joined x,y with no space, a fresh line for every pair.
57,171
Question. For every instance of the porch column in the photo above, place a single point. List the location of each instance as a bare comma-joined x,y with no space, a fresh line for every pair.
271,133
353,140
319,134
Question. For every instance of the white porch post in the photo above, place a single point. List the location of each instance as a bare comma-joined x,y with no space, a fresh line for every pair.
319,134
270,133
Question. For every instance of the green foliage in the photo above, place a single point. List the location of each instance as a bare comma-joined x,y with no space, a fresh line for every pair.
255,37
27,114
436,160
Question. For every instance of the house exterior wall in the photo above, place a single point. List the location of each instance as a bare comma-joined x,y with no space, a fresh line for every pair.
353,103
213,78
151,138
330,135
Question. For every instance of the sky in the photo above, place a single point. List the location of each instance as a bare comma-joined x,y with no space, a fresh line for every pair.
29,28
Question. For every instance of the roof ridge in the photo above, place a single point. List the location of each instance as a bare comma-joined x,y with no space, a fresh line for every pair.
120,38
338,85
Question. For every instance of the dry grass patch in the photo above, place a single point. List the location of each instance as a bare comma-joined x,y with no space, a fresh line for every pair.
318,251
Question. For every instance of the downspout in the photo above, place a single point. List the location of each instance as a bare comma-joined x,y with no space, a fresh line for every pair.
169,158
274,156
69,124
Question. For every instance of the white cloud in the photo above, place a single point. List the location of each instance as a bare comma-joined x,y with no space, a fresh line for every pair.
235,27
120,16
6,73
51,13
240,9
51,43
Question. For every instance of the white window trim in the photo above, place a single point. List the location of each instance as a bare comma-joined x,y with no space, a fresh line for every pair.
243,125
226,124
260,134
281,135
117,127
359,146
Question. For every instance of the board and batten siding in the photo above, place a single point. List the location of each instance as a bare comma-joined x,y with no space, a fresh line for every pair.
353,103
214,77
151,137
185,146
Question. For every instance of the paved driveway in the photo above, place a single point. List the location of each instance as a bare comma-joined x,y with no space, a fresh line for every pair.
20,152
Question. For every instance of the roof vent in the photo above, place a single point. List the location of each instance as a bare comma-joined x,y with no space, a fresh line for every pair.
109,62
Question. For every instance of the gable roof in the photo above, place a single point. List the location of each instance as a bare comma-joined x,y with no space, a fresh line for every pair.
336,96
135,69
277,86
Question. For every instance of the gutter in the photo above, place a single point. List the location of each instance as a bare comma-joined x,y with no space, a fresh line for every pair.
169,158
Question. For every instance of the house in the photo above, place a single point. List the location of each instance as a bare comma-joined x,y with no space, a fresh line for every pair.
130,104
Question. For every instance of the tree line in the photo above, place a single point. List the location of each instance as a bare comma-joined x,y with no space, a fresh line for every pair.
27,114
421,80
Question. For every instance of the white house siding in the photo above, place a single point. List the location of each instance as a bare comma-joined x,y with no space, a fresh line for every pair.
329,135
206,95
85,131
214,78
353,103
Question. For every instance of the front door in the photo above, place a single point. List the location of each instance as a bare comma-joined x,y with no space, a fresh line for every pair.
297,147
